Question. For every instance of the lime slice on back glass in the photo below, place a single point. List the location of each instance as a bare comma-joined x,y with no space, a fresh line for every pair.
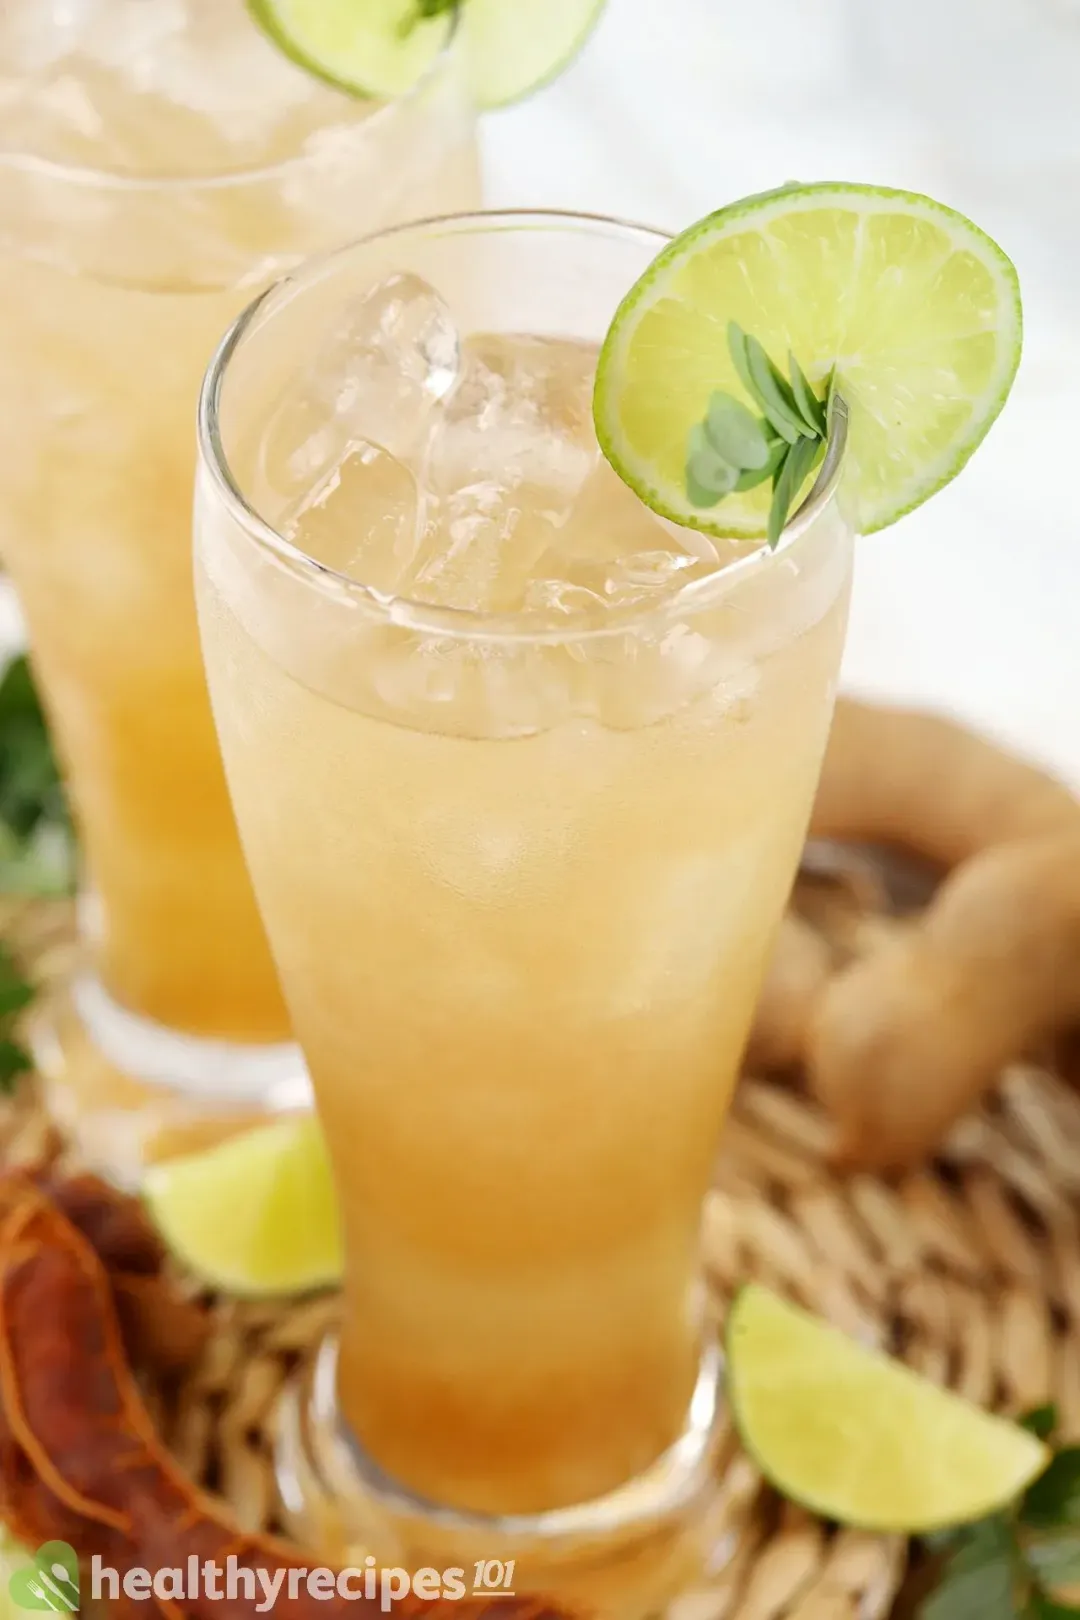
256,1214
859,1438
383,47
917,309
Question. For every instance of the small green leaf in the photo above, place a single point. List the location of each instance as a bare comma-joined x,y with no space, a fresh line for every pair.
750,479
979,1578
423,11
781,500
1055,1560
940,1541
798,463
736,340
973,1543
43,864
698,495
810,407
18,695
778,401
1041,1421
985,1591
706,466
15,994
736,434
36,844
1040,1607
983,1541
742,348
1054,1499
14,1060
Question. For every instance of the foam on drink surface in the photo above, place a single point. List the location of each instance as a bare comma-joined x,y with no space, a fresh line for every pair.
464,471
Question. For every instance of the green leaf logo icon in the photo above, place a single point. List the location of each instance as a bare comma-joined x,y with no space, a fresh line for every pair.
50,1583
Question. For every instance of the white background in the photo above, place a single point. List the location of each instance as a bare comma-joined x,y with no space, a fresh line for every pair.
678,106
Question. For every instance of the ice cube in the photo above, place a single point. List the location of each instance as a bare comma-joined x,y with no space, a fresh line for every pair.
613,547
608,522
640,678
557,597
361,518
375,379
507,455
479,548
465,687
647,571
459,559
521,414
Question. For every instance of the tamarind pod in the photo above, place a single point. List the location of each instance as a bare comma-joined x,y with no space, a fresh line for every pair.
906,1040
115,1224
162,1331
796,977
927,785
79,1458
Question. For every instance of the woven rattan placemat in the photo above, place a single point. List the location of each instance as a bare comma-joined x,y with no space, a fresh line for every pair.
968,1268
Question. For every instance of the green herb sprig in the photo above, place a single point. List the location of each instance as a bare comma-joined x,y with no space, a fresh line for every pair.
1011,1565
733,450
423,11
16,992
37,845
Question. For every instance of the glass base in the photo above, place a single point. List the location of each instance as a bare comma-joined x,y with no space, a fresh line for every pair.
129,1092
661,1536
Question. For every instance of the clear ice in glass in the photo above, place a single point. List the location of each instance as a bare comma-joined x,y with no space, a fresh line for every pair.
374,379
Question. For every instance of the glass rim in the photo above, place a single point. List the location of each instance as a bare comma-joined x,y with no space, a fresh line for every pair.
96,177
472,623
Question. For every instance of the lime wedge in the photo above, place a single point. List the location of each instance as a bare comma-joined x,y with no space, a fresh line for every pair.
256,1214
915,307
859,1438
383,47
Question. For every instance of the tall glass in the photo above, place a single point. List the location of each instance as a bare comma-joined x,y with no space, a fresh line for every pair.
520,873
159,162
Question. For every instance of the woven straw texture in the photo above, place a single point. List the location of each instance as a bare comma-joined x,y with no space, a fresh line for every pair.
969,1269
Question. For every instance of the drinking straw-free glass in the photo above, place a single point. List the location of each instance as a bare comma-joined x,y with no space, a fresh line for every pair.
159,162
522,775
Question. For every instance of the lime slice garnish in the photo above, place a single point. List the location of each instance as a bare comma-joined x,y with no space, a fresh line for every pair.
383,47
257,1213
915,307
856,1437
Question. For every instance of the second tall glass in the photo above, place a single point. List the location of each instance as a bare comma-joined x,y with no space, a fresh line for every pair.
157,165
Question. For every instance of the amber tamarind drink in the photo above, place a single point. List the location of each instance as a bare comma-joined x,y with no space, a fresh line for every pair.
522,774
159,161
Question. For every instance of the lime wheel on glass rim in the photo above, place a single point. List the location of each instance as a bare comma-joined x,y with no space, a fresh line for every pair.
904,306
384,47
